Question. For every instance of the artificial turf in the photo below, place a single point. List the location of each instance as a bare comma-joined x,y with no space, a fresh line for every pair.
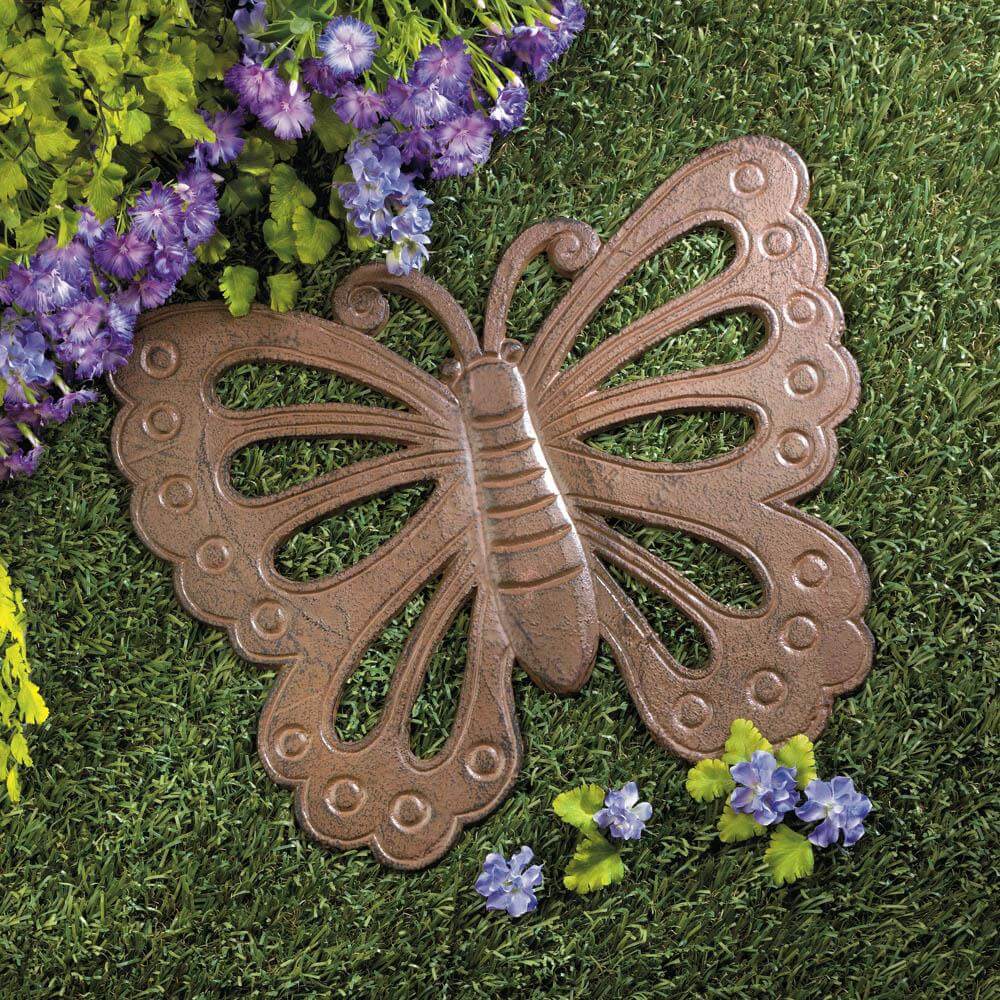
151,856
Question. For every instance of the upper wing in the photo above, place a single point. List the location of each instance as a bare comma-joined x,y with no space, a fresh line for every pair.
782,663
174,440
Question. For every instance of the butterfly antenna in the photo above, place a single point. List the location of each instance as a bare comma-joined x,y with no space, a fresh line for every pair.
360,303
571,246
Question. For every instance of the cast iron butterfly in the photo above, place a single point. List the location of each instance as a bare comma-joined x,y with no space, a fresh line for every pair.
518,513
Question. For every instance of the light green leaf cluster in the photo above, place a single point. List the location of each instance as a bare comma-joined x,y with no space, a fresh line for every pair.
21,702
238,285
789,855
596,862
89,95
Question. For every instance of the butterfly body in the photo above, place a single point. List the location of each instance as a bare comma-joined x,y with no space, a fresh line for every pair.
525,523
536,566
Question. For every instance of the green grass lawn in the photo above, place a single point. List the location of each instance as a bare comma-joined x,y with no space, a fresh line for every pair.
151,856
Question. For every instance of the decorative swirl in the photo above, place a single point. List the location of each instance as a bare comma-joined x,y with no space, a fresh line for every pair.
359,302
360,306
570,246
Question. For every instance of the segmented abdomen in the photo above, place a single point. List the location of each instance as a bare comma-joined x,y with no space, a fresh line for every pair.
537,566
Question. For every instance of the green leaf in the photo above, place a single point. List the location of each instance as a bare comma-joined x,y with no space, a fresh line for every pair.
284,288
789,855
313,237
257,157
213,250
19,749
280,238
238,285
172,83
68,219
53,140
103,189
288,193
578,805
744,739
734,826
134,126
798,753
99,57
596,863
13,785
191,125
11,180
709,779
327,126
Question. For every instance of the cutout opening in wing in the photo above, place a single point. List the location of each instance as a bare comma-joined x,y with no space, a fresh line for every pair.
433,712
342,540
682,638
255,385
363,696
680,266
725,577
266,468
676,436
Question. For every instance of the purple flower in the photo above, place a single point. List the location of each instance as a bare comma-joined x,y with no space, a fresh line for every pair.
156,214
196,187
172,260
466,135
154,291
288,115
766,791
348,46
416,146
510,108
20,463
228,143
510,885
841,809
253,85
417,104
58,411
123,256
10,435
408,253
251,20
571,16
90,229
447,66
363,109
82,319
534,47
22,352
317,75
623,815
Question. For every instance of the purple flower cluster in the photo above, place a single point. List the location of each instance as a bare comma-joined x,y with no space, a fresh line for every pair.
532,48
436,121
768,793
71,311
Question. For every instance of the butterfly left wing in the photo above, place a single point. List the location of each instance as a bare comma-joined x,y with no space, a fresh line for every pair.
174,440
782,663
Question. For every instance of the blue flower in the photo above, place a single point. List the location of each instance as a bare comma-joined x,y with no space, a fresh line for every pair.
766,791
448,66
839,806
510,885
509,110
348,46
623,815
22,352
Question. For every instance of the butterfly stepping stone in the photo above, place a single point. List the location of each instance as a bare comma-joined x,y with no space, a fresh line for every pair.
518,518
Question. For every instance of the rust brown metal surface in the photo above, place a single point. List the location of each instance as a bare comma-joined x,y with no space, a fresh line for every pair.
518,516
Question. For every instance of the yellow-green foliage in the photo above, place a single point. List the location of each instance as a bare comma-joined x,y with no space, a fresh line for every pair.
20,700
89,93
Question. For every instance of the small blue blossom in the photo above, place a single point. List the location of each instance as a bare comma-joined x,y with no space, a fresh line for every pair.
623,815
841,808
766,791
510,885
